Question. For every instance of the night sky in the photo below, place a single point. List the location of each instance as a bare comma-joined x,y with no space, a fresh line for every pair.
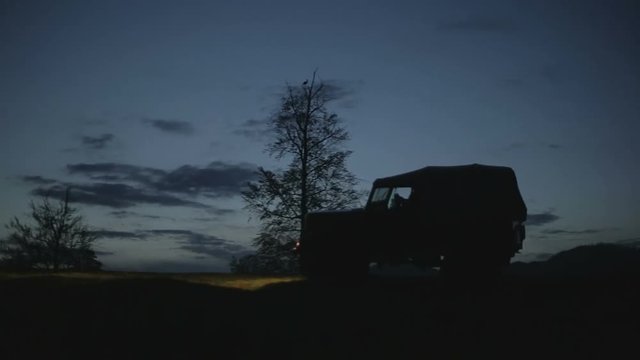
153,111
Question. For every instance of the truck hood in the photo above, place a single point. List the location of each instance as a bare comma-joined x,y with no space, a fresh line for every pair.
332,222
336,212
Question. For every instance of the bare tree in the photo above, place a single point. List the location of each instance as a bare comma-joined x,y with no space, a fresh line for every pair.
311,138
58,239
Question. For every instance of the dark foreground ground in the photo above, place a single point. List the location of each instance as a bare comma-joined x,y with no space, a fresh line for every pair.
120,317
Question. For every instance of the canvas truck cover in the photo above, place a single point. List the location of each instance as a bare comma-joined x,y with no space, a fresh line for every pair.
468,191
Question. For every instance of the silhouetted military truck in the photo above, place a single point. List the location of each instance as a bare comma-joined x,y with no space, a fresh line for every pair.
463,219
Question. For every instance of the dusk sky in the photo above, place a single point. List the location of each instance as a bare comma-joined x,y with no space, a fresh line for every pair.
152,111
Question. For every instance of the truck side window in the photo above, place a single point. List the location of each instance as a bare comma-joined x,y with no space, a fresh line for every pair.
399,198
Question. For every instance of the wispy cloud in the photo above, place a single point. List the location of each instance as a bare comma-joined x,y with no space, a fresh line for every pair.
194,242
171,126
169,232
541,218
343,92
218,179
121,185
253,129
215,211
210,245
122,214
117,172
97,143
111,234
38,180
112,195
220,212
572,232
521,145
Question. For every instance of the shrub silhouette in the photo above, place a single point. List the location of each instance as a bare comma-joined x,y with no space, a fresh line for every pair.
58,239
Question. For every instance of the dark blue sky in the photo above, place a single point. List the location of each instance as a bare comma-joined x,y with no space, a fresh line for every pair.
151,109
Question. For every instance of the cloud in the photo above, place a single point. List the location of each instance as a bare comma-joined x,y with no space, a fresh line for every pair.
220,212
519,146
194,242
111,234
121,185
171,126
343,91
112,195
479,24
253,129
218,179
200,245
212,249
38,180
541,219
169,232
121,214
340,93
203,244
117,172
572,232
97,143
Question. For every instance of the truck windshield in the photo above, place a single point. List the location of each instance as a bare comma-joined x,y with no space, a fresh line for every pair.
389,198
380,198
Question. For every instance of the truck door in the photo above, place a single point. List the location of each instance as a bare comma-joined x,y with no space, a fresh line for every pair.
391,222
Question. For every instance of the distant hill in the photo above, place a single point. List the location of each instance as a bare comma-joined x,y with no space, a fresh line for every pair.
599,260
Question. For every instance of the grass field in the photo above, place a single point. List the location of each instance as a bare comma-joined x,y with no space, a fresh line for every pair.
133,315
233,281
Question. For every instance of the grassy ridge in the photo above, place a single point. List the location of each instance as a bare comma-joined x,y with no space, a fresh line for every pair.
242,282
125,315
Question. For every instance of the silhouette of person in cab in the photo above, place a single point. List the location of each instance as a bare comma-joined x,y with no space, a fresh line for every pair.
398,202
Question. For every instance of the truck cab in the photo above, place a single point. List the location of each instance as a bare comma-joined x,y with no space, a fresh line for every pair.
451,217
